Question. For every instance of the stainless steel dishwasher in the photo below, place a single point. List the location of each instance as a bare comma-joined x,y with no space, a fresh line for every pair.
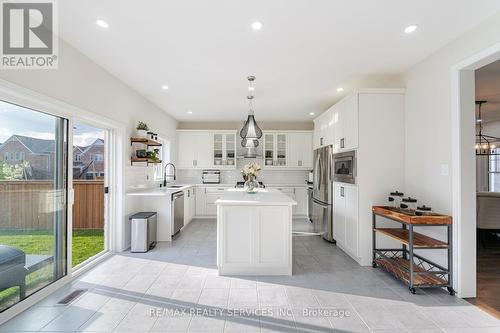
178,211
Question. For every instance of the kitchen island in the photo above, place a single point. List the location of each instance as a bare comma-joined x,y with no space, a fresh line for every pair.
254,233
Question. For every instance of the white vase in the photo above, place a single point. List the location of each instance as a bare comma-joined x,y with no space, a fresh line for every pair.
142,133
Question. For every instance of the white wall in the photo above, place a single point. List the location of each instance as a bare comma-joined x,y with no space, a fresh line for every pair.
80,82
430,103
428,116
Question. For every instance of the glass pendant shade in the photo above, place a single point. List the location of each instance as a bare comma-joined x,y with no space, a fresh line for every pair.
251,130
250,143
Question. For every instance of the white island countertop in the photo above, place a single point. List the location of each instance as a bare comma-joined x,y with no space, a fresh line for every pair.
263,197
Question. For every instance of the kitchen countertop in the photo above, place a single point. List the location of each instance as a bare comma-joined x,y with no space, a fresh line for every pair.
263,197
157,191
165,191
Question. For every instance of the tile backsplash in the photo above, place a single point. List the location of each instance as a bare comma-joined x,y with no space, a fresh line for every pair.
278,176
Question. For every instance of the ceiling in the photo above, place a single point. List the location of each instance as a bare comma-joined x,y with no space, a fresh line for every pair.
204,50
488,89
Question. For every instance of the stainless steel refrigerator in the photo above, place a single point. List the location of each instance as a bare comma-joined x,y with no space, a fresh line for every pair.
322,205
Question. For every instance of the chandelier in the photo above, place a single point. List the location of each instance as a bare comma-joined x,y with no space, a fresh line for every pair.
485,144
251,132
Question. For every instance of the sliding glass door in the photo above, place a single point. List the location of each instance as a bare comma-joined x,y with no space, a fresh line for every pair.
33,201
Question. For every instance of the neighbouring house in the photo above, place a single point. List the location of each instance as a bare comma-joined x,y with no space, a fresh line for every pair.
88,162
39,154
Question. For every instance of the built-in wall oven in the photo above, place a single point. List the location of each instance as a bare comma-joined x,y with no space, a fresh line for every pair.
344,167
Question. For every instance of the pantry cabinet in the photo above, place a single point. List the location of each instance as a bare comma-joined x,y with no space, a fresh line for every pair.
345,217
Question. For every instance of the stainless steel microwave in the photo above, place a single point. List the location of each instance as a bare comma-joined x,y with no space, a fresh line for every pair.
344,167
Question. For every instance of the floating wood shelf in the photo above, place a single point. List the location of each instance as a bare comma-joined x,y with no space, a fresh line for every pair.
419,240
142,160
145,141
408,216
400,268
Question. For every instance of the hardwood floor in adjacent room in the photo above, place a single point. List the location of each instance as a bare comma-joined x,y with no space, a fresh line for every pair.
488,276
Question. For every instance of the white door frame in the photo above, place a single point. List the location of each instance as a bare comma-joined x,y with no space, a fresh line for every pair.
109,181
464,168
24,97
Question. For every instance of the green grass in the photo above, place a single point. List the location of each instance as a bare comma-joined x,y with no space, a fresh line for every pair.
86,243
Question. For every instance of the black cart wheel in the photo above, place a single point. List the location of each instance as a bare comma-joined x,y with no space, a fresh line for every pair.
451,291
413,290
374,264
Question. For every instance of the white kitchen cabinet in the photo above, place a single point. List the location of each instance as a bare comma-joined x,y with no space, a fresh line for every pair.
345,122
299,194
205,199
301,198
324,129
300,150
200,201
275,149
189,205
224,150
194,149
345,217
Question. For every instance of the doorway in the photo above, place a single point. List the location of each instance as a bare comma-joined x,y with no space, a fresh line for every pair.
90,162
487,93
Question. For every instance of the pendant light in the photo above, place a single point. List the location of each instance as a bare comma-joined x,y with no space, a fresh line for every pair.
251,132
485,144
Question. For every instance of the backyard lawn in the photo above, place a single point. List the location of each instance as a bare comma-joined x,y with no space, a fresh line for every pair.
86,243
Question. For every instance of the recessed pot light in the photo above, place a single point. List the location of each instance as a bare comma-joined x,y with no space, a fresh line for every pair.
411,28
251,88
340,89
311,113
190,112
102,24
164,87
256,25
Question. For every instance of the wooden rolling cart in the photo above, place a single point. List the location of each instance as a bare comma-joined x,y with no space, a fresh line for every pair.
422,273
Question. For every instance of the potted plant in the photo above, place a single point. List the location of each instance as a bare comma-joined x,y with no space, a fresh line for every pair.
250,173
153,156
142,129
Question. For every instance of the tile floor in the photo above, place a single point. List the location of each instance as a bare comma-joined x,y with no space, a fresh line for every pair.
175,288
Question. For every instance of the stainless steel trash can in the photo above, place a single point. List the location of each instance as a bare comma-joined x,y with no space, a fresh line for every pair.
143,231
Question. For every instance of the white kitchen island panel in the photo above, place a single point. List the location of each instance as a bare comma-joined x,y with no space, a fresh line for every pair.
254,233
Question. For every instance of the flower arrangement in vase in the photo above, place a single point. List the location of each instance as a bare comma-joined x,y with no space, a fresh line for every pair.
250,173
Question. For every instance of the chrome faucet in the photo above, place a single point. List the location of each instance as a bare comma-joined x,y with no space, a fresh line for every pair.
165,173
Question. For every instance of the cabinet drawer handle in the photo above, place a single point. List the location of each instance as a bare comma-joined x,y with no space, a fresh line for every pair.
342,191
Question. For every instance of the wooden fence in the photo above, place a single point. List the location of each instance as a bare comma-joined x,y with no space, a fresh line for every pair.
30,204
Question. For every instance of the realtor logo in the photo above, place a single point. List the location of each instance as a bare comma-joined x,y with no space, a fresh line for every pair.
29,39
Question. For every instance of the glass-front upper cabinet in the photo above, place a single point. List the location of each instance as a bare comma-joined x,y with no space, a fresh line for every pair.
275,149
224,150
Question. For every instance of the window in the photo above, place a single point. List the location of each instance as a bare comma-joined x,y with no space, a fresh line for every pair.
6,156
19,156
97,157
494,172
12,155
78,158
164,156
